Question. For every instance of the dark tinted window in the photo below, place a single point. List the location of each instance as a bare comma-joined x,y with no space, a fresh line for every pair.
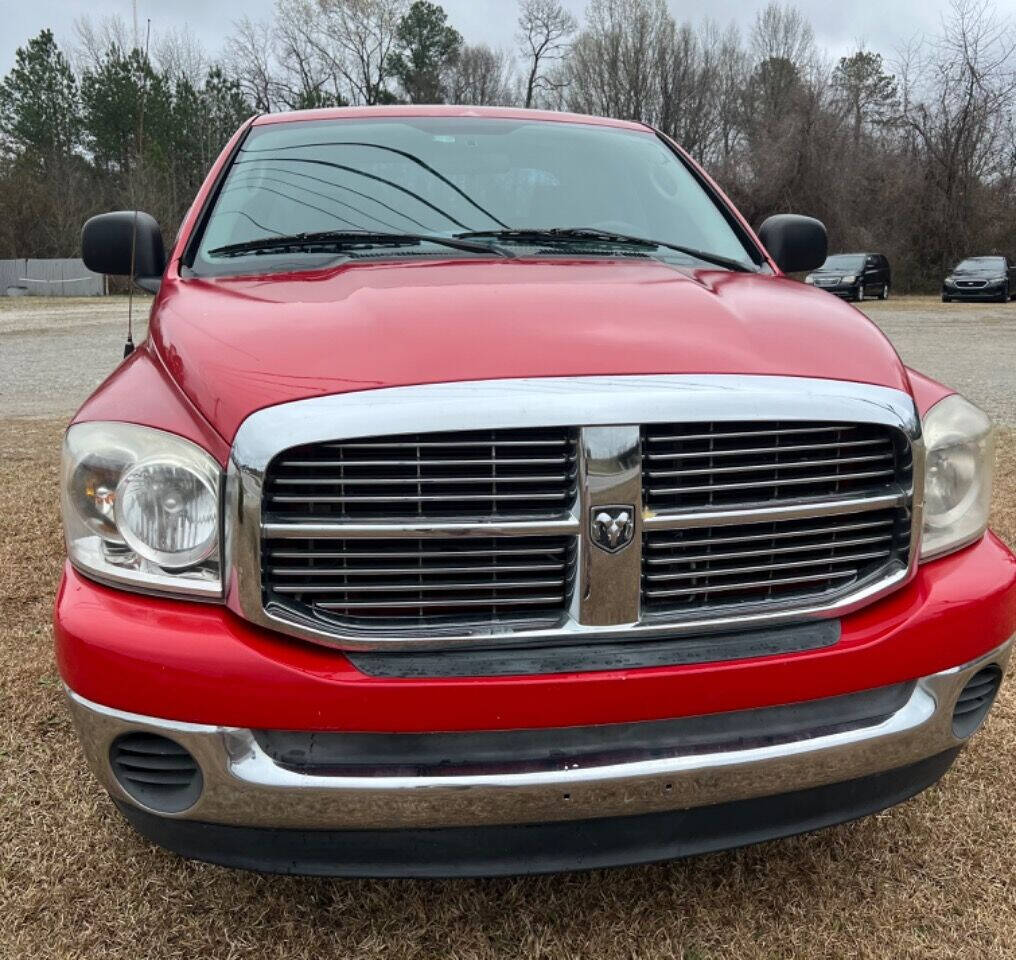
844,261
981,265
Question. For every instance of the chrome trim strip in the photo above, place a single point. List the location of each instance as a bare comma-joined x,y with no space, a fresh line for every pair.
560,402
584,402
410,529
246,787
678,520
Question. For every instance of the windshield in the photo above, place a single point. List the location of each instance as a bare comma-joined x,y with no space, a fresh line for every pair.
844,261
992,265
449,177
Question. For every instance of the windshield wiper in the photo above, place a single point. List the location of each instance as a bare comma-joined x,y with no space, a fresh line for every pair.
343,240
593,235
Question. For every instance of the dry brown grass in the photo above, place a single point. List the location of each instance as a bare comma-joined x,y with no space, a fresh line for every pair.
935,878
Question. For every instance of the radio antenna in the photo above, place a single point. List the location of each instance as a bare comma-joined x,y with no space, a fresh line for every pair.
128,347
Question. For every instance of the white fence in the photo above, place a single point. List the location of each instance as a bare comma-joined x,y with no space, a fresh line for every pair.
50,278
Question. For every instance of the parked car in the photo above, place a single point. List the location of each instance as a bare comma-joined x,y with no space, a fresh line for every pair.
854,276
981,278
486,499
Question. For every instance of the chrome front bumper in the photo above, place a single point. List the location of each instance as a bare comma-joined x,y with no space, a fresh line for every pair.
243,786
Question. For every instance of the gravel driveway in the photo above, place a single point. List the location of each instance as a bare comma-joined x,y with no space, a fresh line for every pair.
54,352
971,347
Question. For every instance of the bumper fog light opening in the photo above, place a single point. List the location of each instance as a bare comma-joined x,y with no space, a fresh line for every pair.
975,701
156,772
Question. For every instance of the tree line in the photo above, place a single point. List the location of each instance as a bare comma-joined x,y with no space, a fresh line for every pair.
912,155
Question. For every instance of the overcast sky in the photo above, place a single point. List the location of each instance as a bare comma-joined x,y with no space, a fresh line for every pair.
880,24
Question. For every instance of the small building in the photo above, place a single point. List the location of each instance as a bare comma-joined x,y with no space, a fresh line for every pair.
67,277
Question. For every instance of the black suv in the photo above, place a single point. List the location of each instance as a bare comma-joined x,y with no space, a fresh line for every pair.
981,278
854,276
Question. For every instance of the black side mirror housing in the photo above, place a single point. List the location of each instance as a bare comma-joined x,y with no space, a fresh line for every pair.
106,242
796,243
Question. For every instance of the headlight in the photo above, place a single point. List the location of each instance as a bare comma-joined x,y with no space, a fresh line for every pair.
141,508
957,482
849,278
809,279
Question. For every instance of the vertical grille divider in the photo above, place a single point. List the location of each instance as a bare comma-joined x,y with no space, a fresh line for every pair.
419,513
492,575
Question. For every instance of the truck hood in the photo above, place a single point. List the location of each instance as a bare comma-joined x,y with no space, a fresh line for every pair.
235,345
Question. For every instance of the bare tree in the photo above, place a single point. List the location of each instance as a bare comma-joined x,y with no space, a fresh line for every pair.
730,77
250,59
311,70
615,64
482,77
782,32
545,27
288,63
358,39
178,53
783,54
689,65
95,38
958,103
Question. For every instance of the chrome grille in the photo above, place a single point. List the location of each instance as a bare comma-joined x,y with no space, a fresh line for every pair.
477,528
425,580
730,464
488,473
707,568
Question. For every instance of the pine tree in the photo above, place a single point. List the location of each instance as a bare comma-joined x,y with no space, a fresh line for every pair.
427,47
40,110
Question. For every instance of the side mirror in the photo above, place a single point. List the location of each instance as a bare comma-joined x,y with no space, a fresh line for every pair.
106,242
796,243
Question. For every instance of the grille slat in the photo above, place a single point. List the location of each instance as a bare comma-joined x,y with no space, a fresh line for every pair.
444,605
406,571
779,482
396,481
398,554
773,552
764,567
503,461
444,499
755,467
751,451
486,474
748,585
454,441
420,587
779,535
661,435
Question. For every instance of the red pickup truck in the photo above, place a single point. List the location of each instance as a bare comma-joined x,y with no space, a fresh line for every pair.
487,499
